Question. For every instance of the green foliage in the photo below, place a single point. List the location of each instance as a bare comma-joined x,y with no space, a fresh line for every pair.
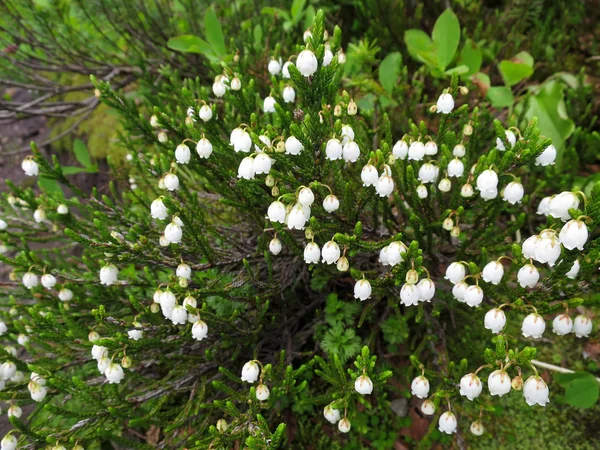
300,323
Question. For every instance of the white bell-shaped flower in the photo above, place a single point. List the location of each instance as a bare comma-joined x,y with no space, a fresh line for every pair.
246,168
333,149
536,391
306,196
416,151
296,219
445,104
48,281
494,320
285,70
533,326
473,296
331,252
262,393
276,212
426,288
445,185
493,272
447,422
431,148
548,250
114,373
363,385
262,163
307,63
347,134
288,94
544,207
274,66
529,246
331,203
428,173
470,386
573,234
400,149
499,383
420,387
199,330
171,182
547,157
182,154
362,289
528,276
158,210
173,233
510,137
455,272
30,167
312,253
582,326
562,324
459,150
369,175
331,414
409,294
293,146
560,204
269,104
428,408
513,192
350,151
572,273
385,185
205,113
109,274
250,372
459,290
275,246
204,148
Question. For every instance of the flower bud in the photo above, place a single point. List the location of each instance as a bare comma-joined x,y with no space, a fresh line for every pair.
126,362
331,414
448,224
412,276
428,408
344,425
222,425
477,428
352,108
517,383
342,264
467,130
162,137
363,385
262,392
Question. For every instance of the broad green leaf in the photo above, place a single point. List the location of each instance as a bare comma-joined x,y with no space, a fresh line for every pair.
81,153
525,58
309,16
500,96
258,36
471,57
70,170
296,10
389,70
214,33
188,43
459,70
548,105
446,37
50,186
582,391
418,43
513,72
